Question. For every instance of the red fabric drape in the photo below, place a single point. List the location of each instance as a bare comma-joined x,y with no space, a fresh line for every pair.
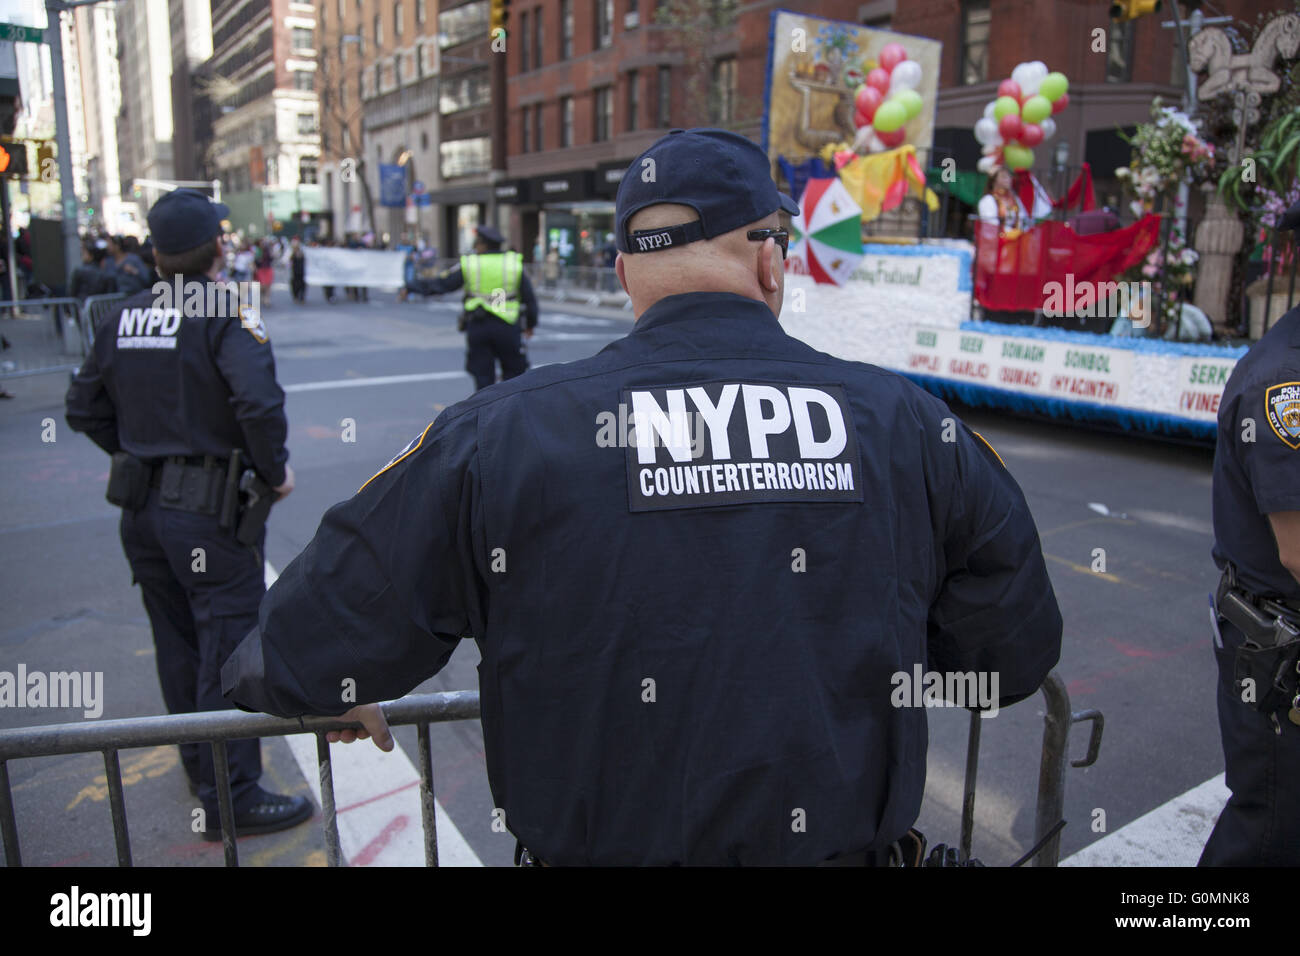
1013,274
1080,189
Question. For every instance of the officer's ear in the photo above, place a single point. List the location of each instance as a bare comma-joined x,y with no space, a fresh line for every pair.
619,270
769,279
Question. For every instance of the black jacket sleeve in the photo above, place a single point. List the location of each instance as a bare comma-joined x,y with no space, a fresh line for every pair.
89,407
529,300
380,597
996,612
243,355
449,281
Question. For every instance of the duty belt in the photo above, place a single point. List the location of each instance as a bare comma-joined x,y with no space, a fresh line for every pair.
1266,666
1261,617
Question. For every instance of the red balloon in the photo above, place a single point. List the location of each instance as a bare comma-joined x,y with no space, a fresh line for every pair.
1009,88
1031,134
893,139
867,100
1011,126
1061,103
878,79
892,54
860,119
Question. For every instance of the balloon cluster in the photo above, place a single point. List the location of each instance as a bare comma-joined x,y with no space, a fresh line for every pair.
1021,117
887,100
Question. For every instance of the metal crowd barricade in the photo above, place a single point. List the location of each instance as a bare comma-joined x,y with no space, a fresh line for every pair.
216,727
46,332
94,309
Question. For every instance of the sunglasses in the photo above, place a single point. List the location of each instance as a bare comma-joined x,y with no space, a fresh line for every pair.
782,237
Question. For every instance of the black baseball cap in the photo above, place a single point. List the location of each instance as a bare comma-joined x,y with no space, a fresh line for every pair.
1290,218
185,219
488,234
722,175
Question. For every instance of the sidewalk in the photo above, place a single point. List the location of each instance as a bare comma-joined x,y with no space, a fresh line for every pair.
35,347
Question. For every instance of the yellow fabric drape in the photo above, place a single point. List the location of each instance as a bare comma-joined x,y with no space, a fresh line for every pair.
869,178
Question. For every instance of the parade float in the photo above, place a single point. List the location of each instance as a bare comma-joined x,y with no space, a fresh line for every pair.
848,125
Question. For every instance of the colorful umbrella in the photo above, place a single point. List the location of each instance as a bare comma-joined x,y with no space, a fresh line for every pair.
828,231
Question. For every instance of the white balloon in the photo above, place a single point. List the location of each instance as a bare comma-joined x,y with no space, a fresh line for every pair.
985,130
988,110
906,76
991,148
986,164
1049,128
1021,74
862,142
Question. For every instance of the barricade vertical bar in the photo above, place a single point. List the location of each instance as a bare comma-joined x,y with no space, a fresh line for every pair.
121,836
333,853
428,809
8,826
1051,771
221,765
968,797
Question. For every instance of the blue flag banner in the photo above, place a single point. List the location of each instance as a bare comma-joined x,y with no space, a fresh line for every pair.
392,185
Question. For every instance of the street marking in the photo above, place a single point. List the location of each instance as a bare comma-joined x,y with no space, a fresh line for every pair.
1173,834
380,380
1104,575
376,794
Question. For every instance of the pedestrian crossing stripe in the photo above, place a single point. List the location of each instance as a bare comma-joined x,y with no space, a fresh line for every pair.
411,448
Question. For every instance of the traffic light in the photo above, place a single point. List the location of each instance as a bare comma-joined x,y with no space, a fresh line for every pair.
1123,11
13,159
498,15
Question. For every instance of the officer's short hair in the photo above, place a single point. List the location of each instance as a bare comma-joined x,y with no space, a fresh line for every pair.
190,262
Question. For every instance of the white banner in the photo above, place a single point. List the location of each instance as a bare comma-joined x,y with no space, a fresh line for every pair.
372,268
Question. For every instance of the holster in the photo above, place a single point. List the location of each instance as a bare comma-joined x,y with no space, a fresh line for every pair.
128,481
257,497
191,487
1268,656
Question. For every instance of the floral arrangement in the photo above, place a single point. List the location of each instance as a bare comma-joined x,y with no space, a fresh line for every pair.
1164,151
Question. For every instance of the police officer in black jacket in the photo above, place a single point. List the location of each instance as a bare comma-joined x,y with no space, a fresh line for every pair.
179,381
692,629
1257,545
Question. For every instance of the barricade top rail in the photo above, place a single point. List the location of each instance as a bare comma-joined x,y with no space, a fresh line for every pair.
131,732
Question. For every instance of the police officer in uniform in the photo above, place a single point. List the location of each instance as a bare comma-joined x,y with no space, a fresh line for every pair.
1257,644
495,289
690,629
174,397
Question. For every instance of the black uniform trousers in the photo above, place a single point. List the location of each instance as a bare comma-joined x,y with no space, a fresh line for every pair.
490,340
200,607
1260,826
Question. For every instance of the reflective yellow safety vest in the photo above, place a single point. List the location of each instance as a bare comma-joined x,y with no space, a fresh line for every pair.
492,283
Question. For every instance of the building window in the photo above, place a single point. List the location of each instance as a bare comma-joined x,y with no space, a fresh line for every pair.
397,20
723,101
604,23
664,111
419,12
306,124
424,140
379,30
631,19
528,128
604,101
322,14
523,48
566,121
339,11
633,100
462,157
302,38
397,70
566,29
537,38
308,171
975,41
537,128
1119,50
304,80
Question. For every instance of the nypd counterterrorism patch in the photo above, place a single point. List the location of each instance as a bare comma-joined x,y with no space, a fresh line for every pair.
1282,406
725,443
251,319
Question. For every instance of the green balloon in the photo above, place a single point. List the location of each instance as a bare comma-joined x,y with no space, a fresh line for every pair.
911,101
1053,86
1005,106
890,116
1036,109
1017,156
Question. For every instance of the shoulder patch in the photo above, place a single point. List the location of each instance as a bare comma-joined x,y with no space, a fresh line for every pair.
411,447
1282,407
251,319
990,448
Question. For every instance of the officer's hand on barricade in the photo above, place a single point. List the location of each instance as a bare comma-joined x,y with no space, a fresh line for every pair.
371,717
282,490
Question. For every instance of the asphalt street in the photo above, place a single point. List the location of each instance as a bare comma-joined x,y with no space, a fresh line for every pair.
1125,524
